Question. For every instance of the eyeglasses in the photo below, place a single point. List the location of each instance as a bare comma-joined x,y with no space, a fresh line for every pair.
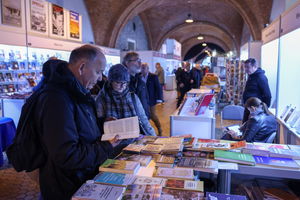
136,60
121,83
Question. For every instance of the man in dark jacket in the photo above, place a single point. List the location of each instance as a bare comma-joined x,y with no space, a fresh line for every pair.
155,94
196,76
65,117
184,81
136,85
256,85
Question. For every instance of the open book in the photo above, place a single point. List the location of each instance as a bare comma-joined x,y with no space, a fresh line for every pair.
235,128
125,128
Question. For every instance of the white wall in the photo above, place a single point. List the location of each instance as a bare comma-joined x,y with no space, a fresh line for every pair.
79,6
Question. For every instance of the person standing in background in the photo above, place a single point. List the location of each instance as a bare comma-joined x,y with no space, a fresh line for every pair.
161,77
133,63
256,85
196,76
185,81
154,91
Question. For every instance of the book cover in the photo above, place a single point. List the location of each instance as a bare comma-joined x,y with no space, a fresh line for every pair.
165,165
185,185
152,148
270,145
276,162
239,144
149,181
94,191
120,166
219,196
142,159
212,146
178,173
241,158
134,148
189,141
146,171
166,159
199,164
200,154
141,192
170,140
172,147
208,141
256,149
284,153
171,194
291,111
114,178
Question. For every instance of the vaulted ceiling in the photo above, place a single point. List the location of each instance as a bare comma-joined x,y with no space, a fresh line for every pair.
220,21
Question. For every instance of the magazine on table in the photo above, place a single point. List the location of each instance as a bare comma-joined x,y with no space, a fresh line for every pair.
235,128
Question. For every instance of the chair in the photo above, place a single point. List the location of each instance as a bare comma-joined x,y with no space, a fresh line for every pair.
271,137
232,112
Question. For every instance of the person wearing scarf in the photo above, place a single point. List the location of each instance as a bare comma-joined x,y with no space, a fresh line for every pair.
115,101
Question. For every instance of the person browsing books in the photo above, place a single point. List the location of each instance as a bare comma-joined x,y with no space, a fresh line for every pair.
115,101
260,125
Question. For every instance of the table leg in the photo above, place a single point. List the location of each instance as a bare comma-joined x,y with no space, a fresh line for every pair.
224,181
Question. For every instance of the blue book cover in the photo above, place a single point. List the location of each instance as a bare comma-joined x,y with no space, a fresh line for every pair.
219,196
276,162
114,178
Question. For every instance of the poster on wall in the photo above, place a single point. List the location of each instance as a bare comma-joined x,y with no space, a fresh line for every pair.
11,12
74,26
57,21
39,16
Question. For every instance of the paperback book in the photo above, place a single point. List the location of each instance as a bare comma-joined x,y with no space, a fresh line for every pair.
211,146
219,196
256,149
166,159
171,194
94,191
140,180
152,148
114,179
284,153
241,158
142,159
134,148
169,140
176,173
120,166
200,154
185,185
141,192
199,164
276,162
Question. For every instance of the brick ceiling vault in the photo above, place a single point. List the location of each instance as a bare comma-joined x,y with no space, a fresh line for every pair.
164,18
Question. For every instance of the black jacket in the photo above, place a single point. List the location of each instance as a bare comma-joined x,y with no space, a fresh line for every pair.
259,127
257,86
185,78
65,117
138,86
154,89
197,77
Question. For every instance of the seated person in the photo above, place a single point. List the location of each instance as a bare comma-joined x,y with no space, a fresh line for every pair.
115,101
259,126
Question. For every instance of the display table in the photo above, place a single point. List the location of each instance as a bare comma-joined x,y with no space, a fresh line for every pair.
7,134
224,176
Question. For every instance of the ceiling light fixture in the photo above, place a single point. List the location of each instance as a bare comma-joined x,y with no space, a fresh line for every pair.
200,37
204,44
189,19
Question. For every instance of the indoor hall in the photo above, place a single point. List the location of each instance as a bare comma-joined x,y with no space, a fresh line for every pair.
196,98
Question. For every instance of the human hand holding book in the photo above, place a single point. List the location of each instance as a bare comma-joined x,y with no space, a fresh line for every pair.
123,128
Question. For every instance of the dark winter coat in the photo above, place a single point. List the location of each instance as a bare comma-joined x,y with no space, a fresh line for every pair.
65,117
257,86
185,78
154,89
138,86
197,77
259,127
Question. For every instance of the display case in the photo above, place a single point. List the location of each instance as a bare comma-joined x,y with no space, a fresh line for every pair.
191,118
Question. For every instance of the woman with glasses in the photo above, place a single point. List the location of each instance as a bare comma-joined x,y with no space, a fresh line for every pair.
115,101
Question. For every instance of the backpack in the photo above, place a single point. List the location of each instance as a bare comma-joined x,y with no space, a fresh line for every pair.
26,152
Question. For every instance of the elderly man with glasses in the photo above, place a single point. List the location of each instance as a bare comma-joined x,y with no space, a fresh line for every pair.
136,84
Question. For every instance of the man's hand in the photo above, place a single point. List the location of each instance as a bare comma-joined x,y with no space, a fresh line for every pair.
115,141
192,81
181,85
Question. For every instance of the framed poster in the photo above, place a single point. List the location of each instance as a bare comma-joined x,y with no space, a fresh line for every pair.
11,13
74,26
58,22
38,17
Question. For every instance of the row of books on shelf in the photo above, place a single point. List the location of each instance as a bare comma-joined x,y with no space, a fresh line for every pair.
165,168
291,116
20,65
